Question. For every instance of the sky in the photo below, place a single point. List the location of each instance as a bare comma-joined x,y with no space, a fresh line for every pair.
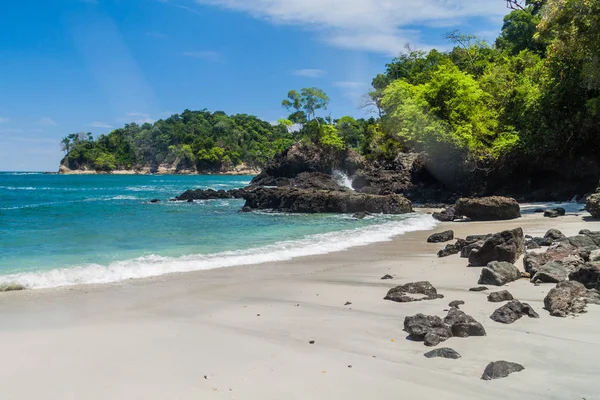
68,66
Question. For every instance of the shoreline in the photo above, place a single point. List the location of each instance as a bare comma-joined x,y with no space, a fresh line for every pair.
247,329
241,170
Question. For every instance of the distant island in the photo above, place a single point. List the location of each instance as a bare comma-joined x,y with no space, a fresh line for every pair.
518,117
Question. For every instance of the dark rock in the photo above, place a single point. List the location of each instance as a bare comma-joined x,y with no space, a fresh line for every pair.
488,208
446,215
190,200
463,325
402,294
583,241
555,212
554,235
465,252
387,276
500,369
499,273
155,201
456,303
431,329
444,352
569,255
538,210
542,241
441,237
348,303
592,205
477,238
512,311
595,236
205,194
588,274
531,245
361,215
246,209
499,297
311,342
449,250
478,289
504,246
568,298
288,199
552,272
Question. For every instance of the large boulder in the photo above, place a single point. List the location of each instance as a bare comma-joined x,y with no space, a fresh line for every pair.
500,369
293,200
499,273
407,293
568,298
512,311
592,205
504,246
588,274
583,242
488,208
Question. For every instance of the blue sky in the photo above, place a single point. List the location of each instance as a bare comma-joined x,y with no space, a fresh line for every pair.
93,65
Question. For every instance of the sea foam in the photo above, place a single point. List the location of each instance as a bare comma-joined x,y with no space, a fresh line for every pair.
155,265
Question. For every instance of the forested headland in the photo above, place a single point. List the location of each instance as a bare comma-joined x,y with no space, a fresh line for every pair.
522,111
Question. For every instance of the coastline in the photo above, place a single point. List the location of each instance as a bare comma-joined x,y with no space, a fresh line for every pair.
241,170
158,337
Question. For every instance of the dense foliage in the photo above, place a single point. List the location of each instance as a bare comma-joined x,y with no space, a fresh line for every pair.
192,140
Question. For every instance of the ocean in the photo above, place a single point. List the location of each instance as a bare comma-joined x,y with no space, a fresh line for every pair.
60,230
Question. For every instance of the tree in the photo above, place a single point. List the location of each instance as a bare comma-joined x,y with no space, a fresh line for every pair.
65,144
306,103
518,32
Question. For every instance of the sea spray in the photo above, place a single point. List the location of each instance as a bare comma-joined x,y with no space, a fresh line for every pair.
342,179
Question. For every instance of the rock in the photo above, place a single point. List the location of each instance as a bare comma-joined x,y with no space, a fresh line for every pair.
430,329
592,205
348,303
568,298
512,311
588,275
531,245
595,236
444,352
499,297
554,235
11,287
441,237
208,194
293,200
446,215
552,272
500,369
488,208
311,342
504,246
478,289
465,252
499,273
246,210
569,255
463,325
583,241
542,241
154,201
361,215
555,212
449,250
456,303
402,294
386,277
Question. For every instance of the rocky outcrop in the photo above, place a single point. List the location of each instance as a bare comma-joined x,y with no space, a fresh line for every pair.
432,330
500,369
499,297
407,293
592,205
444,352
504,246
570,257
488,208
499,273
293,200
568,298
552,272
209,194
441,237
513,311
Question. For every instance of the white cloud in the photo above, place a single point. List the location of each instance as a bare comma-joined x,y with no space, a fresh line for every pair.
382,26
310,73
213,56
48,122
103,125
350,84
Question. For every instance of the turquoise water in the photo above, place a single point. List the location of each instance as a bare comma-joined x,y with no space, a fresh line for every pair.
60,230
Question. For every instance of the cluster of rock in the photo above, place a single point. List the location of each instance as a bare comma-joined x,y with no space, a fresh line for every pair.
432,330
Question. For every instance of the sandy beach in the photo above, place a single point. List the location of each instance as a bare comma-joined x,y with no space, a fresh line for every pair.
244,332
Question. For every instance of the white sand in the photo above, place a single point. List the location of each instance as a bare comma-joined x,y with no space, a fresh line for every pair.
158,338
